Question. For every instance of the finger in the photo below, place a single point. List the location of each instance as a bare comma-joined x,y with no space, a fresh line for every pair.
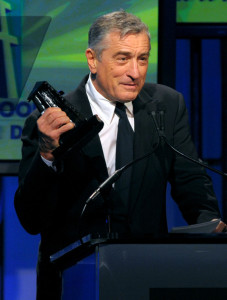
66,127
60,121
221,227
54,133
50,110
52,120
54,117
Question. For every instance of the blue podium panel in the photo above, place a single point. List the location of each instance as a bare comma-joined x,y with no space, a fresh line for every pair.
81,281
169,270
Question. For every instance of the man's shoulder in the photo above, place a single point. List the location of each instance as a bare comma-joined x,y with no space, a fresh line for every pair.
155,89
161,95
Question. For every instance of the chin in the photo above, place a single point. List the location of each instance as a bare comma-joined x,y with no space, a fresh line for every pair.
130,97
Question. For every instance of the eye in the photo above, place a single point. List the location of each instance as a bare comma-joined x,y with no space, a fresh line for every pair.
143,59
121,58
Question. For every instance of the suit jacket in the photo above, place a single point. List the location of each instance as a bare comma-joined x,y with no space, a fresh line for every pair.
50,203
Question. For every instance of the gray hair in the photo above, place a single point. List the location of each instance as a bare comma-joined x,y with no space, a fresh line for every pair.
120,21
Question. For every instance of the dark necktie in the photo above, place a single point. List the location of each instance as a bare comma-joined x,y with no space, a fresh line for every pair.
124,151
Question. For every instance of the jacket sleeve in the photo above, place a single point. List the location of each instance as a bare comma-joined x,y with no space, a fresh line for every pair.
35,178
44,195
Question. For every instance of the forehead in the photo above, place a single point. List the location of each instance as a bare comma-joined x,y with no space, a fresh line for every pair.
130,42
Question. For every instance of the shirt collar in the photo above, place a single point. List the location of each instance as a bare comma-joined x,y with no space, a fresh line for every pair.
102,106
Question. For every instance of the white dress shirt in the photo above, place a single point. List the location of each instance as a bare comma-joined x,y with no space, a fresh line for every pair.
108,135
105,110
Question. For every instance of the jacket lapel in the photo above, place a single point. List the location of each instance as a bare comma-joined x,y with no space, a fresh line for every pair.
93,149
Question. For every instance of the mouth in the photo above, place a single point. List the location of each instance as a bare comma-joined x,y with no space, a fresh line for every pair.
130,85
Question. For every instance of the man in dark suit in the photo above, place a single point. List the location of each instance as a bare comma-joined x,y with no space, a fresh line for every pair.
49,199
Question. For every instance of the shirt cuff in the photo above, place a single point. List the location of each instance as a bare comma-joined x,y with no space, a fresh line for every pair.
49,163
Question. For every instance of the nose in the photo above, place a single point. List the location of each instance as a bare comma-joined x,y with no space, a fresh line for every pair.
133,69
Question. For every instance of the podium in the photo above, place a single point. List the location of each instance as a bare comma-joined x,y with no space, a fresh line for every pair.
170,267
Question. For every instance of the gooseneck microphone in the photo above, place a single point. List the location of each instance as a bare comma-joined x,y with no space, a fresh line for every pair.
103,187
113,178
161,132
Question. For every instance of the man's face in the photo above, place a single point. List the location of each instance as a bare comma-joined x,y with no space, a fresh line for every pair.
121,70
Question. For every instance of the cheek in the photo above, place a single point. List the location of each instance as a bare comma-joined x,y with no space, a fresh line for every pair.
144,72
118,71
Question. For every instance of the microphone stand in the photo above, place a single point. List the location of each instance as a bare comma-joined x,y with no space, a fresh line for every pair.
116,175
109,181
112,179
161,134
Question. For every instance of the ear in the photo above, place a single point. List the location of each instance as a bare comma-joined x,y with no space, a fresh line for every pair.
91,60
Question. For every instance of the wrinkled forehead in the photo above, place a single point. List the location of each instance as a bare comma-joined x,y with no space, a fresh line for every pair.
116,35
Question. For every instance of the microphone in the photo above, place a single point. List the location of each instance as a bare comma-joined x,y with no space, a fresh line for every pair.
104,186
113,178
161,133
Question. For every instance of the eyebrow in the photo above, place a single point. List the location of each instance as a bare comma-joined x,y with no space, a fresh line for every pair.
129,53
